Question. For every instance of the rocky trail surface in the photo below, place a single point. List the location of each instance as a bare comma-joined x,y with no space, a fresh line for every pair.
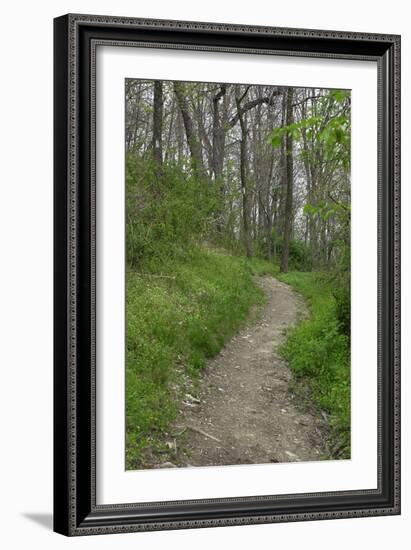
242,411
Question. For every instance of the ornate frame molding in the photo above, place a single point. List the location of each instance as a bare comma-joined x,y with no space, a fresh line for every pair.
76,40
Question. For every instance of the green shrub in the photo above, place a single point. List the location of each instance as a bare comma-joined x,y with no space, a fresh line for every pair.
166,215
318,353
175,320
342,298
299,255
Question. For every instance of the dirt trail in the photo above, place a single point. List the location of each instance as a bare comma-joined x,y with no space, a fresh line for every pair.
243,412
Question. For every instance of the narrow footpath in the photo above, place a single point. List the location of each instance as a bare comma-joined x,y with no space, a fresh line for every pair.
243,411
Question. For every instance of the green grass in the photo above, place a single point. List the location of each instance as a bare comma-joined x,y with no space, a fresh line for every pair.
319,357
179,314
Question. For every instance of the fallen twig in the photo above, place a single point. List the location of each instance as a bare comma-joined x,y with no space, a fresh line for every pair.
205,434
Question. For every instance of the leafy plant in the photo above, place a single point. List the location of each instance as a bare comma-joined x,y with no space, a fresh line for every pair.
318,352
175,320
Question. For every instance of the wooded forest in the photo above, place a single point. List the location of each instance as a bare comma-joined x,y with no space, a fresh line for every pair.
242,174
275,162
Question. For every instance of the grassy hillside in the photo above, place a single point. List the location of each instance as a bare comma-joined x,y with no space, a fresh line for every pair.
177,317
319,356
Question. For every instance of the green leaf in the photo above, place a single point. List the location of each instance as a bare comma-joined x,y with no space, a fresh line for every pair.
276,141
340,95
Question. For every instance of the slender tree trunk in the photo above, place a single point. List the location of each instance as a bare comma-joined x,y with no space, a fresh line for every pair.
168,152
288,212
193,143
244,182
180,137
218,136
309,234
158,127
281,190
269,213
218,145
203,137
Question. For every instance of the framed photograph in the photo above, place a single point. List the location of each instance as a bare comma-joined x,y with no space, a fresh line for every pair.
227,278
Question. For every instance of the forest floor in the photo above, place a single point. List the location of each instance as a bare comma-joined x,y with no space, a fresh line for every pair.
241,410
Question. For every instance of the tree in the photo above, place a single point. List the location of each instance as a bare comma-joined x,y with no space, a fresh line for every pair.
241,114
276,162
219,133
192,140
158,126
289,171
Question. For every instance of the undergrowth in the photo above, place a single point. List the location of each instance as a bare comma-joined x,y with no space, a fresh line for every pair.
318,352
179,313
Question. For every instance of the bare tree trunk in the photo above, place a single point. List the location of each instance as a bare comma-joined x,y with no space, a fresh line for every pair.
288,212
180,137
158,127
281,190
243,177
199,114
269,212
218,145
218,135
193,143
167,153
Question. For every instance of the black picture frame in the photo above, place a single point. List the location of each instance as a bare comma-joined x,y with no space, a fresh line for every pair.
75,40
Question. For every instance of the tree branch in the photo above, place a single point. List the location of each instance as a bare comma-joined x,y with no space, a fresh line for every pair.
269,100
